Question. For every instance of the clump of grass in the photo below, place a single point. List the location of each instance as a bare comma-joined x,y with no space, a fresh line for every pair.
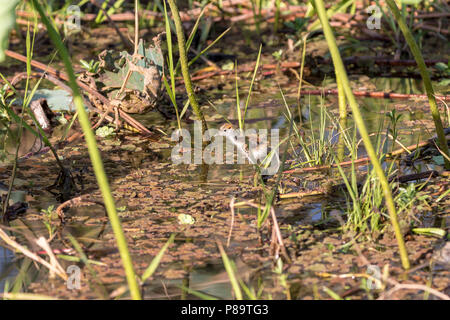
317,141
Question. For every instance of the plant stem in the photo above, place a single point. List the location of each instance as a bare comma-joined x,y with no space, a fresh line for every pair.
426,80
342,120
184,64
342,74
95,157
300,82
277,16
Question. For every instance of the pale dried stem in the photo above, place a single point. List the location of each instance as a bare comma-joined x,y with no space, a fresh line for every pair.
31,255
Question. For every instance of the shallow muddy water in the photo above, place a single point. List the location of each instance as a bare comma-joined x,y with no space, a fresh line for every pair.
151,192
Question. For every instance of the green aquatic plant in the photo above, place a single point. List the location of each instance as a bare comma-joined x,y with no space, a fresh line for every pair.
231,271
91,66
316,140
342,74
49,217
365,209
393,130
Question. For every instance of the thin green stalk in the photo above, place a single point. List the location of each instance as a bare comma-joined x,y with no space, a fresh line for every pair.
258,59
257,17
190,38
100,288
300,82
342,74
271,195
277,15
170,89
157,259
29,47
208,47
184,64
13,173
238,103
426,80
229,267
95,157
342,120
241,115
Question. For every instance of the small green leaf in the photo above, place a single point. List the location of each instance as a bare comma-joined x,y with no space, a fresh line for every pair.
157,259
434,232
84,64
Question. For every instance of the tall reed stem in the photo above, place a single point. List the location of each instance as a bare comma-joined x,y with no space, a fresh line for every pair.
184,64
95,157
342,74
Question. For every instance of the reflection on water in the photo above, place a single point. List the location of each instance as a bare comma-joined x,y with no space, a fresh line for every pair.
8,270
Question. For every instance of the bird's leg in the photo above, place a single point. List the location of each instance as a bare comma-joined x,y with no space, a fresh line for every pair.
115,104
255,179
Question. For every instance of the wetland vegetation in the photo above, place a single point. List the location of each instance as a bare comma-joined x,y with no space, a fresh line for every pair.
225,149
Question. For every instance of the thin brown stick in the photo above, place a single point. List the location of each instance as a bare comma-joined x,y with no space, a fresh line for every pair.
9,241
23,75
279,236
358,162
85,199
62,85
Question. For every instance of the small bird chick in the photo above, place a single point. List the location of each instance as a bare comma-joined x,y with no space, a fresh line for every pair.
259,147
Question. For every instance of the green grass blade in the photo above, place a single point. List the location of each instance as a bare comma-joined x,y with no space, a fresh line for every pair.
157,259
199,294
231,272
95,157
209,46
251,83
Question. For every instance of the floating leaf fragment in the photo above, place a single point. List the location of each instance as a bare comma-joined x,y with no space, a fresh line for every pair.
185,219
